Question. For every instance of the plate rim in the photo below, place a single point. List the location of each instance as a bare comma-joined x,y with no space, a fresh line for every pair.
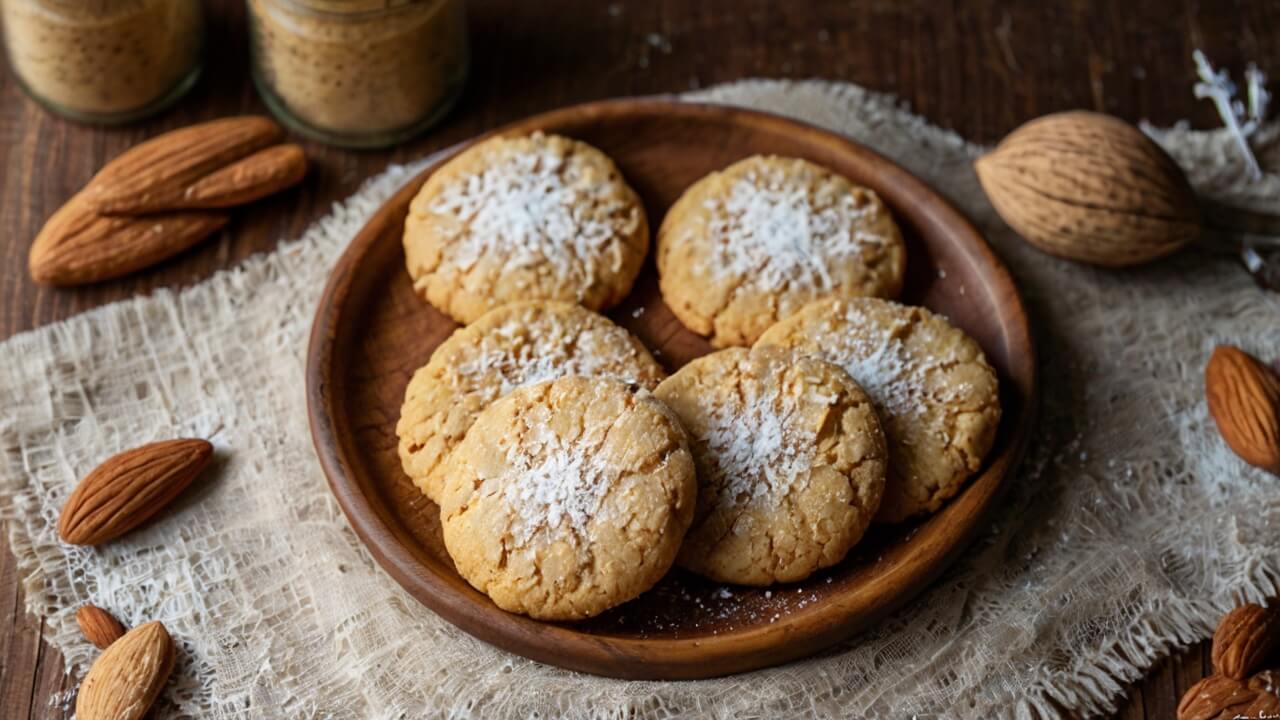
803,631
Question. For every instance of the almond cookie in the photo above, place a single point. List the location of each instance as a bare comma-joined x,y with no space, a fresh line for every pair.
529,217
754,243
937,397
519,344
568,497
791,463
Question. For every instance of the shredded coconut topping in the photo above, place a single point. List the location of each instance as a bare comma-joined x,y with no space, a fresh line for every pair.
541,206
777,232
755,444
555,353
561,483
877,358
893,379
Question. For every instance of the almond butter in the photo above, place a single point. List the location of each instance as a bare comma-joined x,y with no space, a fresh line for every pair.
77,245
127,489
127,677
1090,187
148,177
1245,638
99,626
263,173
1244,400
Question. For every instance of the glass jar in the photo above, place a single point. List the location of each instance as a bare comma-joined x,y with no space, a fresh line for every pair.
104,61
358,73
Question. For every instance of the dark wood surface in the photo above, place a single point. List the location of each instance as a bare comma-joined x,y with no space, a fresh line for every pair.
680,629
980,67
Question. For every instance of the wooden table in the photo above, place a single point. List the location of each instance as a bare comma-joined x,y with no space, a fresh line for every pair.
980,67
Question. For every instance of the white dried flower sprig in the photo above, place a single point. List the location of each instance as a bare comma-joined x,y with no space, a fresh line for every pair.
1259,99
1240,120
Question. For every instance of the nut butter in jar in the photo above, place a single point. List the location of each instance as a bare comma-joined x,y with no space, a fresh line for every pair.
104,61
359,73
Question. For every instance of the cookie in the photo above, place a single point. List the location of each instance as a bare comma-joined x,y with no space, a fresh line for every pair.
528,217
790,458
754,243
568,497
937,397
519,344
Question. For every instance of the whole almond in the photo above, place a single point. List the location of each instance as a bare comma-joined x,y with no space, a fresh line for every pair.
127,489
127,677
99,626
1244,400
261,174
1090,187
1245,638
1215,697
147,177
77,245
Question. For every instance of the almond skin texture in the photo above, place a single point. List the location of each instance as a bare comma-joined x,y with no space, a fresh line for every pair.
263,173
1216,697
1090,187
1244,400
128,676
78,246
1245,638
129,488
99,626
1264,706
1267,681
150,176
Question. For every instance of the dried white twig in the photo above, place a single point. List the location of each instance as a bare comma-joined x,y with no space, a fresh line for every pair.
1217,86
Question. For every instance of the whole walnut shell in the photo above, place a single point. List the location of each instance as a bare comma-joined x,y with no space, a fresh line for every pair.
1090,187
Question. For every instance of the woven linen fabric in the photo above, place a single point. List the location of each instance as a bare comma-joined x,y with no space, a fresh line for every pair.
1129,530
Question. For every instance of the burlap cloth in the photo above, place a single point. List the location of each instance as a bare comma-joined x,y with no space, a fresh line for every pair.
1129,530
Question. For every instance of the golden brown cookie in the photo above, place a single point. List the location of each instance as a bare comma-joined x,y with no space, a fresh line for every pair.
937,397
526,217
754,243
791,463
515,345
568,497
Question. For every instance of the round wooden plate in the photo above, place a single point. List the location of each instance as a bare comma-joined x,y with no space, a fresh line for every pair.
371,332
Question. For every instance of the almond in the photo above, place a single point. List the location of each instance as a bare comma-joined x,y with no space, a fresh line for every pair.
1244,400
1266,704
77,245
1245,638
148,204
261,174
127,677
1090,187
127,489
1215,697
99,626
148,177
1267,681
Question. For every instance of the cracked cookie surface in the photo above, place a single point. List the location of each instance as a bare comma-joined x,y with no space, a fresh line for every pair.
528,217
937,396
752,244
790,458
568,497
515,345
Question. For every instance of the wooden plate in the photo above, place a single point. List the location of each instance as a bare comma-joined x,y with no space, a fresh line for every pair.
371,332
